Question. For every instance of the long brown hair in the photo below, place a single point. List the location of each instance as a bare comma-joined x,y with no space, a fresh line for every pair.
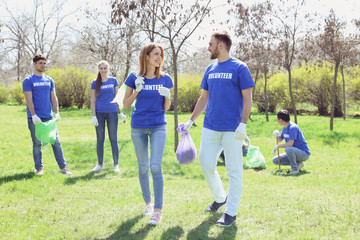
145,51
98,78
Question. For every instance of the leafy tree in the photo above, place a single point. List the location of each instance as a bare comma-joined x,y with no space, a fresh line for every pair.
337,49
288,26
256,40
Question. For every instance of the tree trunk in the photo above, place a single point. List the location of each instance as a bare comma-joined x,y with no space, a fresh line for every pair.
344,96
256,78
291,95
175,70
266,99
253,90
333,97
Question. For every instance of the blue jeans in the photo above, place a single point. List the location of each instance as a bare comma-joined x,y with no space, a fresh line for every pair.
292,157
140,138
37,154
112,123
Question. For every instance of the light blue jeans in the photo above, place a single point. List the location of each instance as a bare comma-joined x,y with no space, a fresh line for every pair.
140,138
37,154
112,123
292,157
212,143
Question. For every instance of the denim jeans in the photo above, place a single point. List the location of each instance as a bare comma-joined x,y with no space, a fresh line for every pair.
292,157
140,138
37,154
212,143
112,123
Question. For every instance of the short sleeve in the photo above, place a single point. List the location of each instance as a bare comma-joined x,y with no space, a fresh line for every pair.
245,79
168,82
27,87
204,84
93,84
116,82
52,86
130,80
293,133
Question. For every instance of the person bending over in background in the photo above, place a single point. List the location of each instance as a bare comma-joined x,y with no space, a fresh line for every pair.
103,91
227,98
40,95
150,88
296,148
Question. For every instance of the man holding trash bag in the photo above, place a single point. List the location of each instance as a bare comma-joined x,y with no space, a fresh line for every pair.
39,91
227,98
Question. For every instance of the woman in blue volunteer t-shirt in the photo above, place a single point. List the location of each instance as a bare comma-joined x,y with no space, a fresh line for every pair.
103,91
150,88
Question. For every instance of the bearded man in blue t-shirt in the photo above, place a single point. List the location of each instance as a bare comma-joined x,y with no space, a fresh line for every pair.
40,96
296,148
227,98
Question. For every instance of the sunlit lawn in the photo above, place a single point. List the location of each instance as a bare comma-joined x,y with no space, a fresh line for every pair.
323,202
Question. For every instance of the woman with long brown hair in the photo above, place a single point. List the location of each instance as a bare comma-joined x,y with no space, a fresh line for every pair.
103,91
150,88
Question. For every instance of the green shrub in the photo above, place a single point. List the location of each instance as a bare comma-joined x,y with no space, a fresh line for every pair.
17,93
72,85
353,84
189,91
4,93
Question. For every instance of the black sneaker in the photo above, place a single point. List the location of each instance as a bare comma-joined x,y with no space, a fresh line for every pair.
214,207
226,220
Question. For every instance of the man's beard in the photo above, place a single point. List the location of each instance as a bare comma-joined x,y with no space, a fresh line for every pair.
214,54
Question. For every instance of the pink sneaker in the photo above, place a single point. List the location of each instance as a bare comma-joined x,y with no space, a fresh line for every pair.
148,210
155,218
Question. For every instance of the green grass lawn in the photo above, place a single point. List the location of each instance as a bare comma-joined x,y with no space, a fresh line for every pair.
323,202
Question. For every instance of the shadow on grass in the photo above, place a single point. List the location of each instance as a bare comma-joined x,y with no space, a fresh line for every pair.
172,233
201,231
334,138
285,173
124,229
87,177
16,177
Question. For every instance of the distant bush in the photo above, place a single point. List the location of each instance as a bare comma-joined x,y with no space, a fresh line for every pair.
72,85
354,84
4,93
17,93
310,84
189,91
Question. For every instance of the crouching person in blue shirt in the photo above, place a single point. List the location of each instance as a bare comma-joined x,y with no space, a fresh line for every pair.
296,148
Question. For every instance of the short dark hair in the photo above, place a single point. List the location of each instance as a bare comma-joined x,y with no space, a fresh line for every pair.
284,115
39,57
223,36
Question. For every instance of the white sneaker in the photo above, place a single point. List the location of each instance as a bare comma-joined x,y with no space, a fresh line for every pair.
155,218
116,168
97,168
66,171
293,172
148,210
300,165
40,171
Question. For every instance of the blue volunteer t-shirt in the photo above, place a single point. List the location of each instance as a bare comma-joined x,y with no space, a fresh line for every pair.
149,107
106,95
40,86
293,132
224,81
